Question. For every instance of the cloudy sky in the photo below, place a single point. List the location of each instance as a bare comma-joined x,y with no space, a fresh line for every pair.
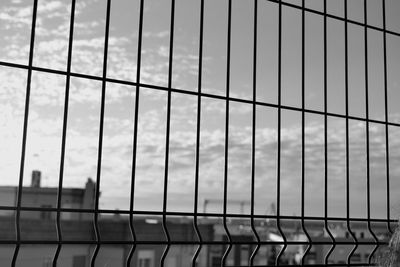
48,92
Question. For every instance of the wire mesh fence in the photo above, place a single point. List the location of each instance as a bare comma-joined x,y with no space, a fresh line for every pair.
168,236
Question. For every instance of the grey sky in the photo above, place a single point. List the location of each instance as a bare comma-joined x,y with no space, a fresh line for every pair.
45,123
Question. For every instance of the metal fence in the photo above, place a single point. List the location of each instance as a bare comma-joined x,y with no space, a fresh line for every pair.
229,242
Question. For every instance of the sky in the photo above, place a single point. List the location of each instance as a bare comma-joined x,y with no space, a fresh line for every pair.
48,92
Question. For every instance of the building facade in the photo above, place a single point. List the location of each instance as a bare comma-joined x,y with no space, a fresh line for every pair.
78,235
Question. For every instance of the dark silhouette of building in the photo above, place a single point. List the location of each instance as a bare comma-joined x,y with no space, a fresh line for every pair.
40,236
46,197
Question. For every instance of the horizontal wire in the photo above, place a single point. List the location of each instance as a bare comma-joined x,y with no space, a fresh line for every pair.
335,17
181,242
191,214
207,95
199,214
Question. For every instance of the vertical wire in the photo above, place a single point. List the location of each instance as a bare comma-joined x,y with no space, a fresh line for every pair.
24,136
64,134
278,183
253,145
228,66
100,148
326,226
386,118
167,135
135,133
196,183
367,134
303,44
346,77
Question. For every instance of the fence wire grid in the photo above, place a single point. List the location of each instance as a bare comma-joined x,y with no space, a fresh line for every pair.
228,243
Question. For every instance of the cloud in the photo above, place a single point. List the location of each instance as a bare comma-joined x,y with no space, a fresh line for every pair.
18,19
81,161
161,34
50,6
240,160
16,16
47,100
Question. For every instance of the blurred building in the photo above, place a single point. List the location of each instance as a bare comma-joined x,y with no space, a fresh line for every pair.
115,235
39,233
46,197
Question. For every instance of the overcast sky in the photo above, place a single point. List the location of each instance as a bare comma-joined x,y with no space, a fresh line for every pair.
48,91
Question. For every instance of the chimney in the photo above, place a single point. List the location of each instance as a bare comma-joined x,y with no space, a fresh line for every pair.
36,175
88,200
89,195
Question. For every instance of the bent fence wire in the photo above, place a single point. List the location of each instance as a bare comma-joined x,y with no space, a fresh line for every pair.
309,243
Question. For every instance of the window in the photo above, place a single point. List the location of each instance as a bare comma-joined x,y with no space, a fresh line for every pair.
79,261
244,254
144,262
146,258
356,257
215,261
45,214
